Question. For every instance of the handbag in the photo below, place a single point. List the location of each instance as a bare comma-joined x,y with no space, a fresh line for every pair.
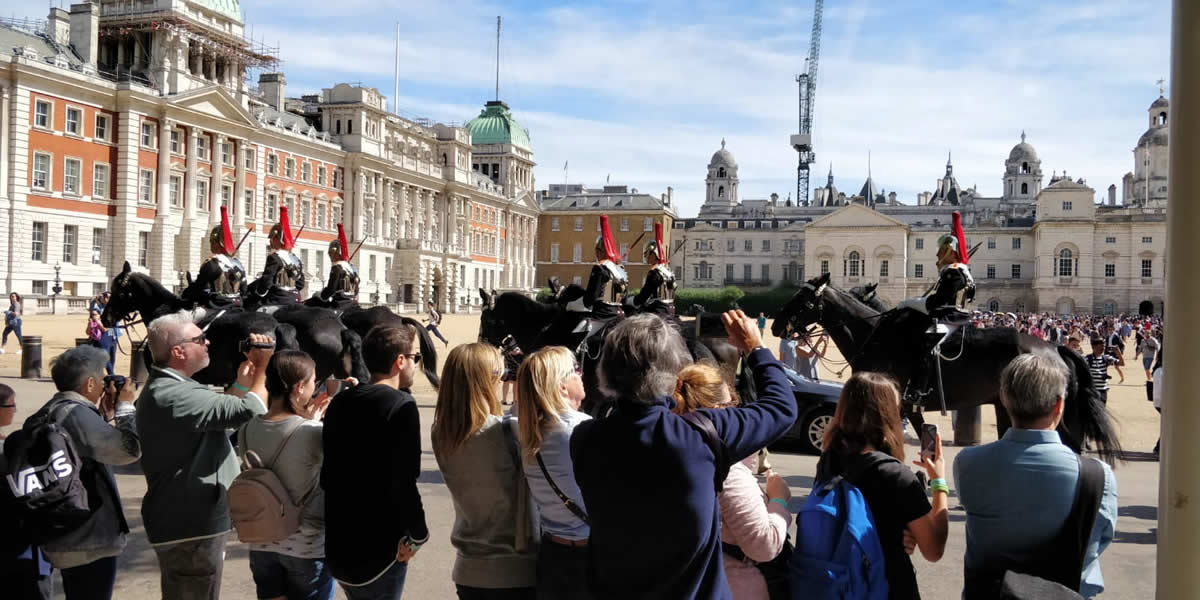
527,532
776,571
566,500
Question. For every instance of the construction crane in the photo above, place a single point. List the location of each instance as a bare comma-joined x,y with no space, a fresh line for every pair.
807,82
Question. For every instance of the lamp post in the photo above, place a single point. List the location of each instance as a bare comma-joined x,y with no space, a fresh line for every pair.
57,289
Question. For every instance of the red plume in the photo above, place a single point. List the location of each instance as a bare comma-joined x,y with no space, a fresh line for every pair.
226,234
662,250
957,230
342,242
610,247
286,229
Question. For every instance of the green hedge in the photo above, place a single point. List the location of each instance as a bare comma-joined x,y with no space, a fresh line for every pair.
713,300
768,302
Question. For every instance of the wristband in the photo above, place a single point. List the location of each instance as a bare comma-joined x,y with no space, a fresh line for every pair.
239,387
408,541
781,502
939,482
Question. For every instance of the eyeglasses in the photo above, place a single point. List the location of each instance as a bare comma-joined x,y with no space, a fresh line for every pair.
200,339
8,405
414,357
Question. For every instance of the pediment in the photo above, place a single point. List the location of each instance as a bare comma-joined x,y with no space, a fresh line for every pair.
214,101
856,215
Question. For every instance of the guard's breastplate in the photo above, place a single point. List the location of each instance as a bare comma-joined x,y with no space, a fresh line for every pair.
613,289
966,293
347,283
289,275
229,282
666,291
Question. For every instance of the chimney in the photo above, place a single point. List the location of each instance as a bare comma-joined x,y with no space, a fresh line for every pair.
271,86
670,193
58,26
774,199
85,31
1112,195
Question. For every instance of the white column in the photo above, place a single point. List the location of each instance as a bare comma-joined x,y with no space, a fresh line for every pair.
189,211
217,184
402,210
381,192
1179,480
9,220
427,196
164,167
239,185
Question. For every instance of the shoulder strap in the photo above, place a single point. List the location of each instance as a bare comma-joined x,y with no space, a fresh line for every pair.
566,500
287,436
704,425
1088,496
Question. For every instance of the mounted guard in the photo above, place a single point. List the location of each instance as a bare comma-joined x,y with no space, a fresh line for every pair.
608,281
283,275
221,281
341,291
658,289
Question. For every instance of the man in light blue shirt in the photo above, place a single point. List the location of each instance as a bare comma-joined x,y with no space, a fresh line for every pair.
787,350
1019,490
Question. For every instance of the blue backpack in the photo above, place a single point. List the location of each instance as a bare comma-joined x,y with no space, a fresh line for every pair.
838,555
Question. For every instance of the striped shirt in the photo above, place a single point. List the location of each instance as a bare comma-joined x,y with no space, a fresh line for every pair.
1098,365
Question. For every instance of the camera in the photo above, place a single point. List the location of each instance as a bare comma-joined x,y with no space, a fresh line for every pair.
245,346
118,382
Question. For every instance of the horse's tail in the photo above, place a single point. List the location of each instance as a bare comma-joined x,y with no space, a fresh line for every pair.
285,337
352,355
428,352
1083,409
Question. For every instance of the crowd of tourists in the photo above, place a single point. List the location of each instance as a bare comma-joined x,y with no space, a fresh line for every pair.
654,498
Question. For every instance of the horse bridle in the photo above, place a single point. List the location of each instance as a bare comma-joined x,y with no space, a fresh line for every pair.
819,306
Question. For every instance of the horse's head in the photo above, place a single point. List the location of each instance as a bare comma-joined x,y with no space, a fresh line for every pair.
803,309
123,302
492,327
868,294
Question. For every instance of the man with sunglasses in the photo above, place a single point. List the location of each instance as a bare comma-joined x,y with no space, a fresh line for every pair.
187,458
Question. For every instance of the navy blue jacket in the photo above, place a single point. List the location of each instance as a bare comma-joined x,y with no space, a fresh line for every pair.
647,481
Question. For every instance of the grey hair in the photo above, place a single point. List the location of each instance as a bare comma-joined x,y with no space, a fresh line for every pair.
72,368
1031,385
164,333
641,359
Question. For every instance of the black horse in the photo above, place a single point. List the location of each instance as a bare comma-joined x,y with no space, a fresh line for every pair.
894,343
527,320
362,320
336,350
867,295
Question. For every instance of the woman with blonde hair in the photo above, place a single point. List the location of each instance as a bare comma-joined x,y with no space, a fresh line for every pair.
476,450
549,391
864,444
754,524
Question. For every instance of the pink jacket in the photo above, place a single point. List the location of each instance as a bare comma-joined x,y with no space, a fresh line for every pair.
754,524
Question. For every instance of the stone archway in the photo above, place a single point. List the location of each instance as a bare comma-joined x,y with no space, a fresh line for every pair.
1146,308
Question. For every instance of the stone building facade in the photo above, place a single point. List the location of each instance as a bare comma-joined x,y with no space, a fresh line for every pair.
1045,248
124,127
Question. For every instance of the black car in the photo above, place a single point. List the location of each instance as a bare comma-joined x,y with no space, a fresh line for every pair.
816,402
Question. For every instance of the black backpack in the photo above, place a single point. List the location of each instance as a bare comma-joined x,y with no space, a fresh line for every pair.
44,475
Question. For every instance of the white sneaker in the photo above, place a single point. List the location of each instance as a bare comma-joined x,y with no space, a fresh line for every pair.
1,350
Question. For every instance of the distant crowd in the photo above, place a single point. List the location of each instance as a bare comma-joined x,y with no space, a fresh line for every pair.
657,497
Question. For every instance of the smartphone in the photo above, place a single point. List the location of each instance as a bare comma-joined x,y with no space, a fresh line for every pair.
929,435
334,386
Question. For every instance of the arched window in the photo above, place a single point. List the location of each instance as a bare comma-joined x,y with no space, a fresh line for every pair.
854,264
721,191
1019,306
1025,168
1110,307
994,306
1066,263
1162,118
721,172
1024,188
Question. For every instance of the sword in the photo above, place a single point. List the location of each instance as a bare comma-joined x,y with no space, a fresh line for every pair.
300,232
241,241
632,246
353,254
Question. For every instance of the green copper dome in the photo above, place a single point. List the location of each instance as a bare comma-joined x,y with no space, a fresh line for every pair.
496,125
228,8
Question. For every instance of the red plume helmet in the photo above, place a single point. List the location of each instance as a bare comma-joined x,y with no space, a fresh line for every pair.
610,247
658,241
957,230
342,242
285,229
226,234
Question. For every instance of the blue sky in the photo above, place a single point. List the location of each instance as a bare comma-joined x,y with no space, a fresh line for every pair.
645,91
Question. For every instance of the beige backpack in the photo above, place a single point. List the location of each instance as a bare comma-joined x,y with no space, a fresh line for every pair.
259,504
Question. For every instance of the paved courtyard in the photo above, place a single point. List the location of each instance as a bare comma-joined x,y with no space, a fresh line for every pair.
1128,565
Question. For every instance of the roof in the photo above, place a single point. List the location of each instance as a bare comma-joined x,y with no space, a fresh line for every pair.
1155,136
606,202
868,191
722,157
16,37
1161,102
228,8
497,125
282,119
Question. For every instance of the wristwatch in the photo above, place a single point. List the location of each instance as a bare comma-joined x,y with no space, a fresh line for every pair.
408,541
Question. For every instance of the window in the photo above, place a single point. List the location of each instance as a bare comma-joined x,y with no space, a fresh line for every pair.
371,267
202,194
248,204
648,224
227,197
883,268
553,253
577,253
272,163
227,153
1066,204
991,243
39,287
624,223
272,204
994,305
766,245
71,169
623,251
321,175
148,135
39,241
146,186
101,132
1016,271
1147,268
97,246
729,245
306,212
322,213
766,273
305,170
1024,188
991,271
202,147
1066,263
1110,270
175,136
854,264
337,214
42,114
554,224
1016,243
748,245
920,243
249,156
746,273
99,180
143,248
41,171
70,239
919,271
1147,240
824,267
289,168
729,272
1112,239
74,119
